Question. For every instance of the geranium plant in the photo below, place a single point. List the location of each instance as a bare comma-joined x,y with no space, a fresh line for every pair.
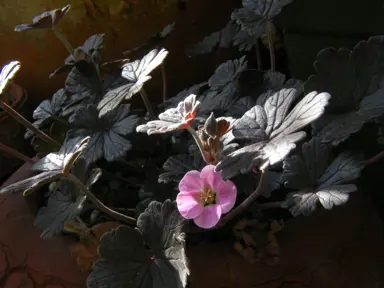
200,161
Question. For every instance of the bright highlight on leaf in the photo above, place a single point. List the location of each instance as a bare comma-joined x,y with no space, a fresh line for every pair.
7,73
52,166
173,119
273,131
137,73
316,182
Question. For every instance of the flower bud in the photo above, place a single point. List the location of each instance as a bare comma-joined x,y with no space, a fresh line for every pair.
210,126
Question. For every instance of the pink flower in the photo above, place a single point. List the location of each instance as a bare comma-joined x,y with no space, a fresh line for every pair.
204,196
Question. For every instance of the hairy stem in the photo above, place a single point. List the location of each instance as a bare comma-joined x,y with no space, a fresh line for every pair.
164,77
97,68
270,205
271,46
19,118
248,201
374,159
99,205
65,42
258,55
15,153
130,182
125,210
198,142
147,104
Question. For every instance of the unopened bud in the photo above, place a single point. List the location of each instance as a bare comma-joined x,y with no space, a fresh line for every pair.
210,125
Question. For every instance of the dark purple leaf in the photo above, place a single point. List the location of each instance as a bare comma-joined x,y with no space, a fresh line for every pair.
46,20
125,262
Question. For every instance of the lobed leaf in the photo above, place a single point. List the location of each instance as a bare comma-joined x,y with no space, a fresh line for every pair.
46,20
317,182
282,131
125,262
137,73
106,133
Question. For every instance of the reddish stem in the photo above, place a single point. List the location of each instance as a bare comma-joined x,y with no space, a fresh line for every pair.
164,77
19,118
16,154
248,201
374,159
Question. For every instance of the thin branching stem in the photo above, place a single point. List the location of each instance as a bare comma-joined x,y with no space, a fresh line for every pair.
164,78
270,205
271,45
65,42
248,201
97,69
198,142
19,118
147,104
258,55
113,175
374,159
16,154
99,205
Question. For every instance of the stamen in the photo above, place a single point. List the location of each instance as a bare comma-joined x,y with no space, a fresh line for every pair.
208,196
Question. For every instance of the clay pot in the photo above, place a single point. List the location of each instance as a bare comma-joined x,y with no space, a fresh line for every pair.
339,248
25,259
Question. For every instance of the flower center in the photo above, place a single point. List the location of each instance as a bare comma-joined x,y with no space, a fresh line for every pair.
208,196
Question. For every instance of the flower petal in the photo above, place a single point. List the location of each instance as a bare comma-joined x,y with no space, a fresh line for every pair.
211,177
227,193
209,217
189,205
191,182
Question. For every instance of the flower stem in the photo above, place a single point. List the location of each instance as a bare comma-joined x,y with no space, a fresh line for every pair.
147,104
198,142
270,45
16,154
19,118
270,205
258,55
374,159
248,201
121,217
65,42
164,77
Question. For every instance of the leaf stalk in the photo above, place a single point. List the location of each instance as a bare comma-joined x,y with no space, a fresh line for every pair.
16,154
100,205
248,201
374,159
258,55
271,45
147,104
65,42
19,118
198,142
164,78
